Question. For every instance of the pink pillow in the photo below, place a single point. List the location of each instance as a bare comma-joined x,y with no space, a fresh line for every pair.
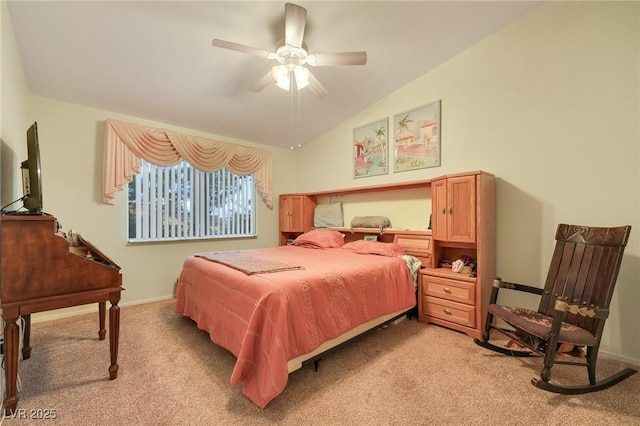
374,247
320,238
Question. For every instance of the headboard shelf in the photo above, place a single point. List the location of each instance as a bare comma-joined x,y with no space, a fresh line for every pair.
390,231
425,183
374,188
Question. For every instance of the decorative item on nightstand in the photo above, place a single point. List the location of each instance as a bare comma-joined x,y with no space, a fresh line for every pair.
464,265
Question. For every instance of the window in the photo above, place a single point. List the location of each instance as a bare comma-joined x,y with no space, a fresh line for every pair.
183,203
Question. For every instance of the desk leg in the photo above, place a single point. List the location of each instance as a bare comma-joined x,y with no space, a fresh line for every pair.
102,312
114,336
26,338
11,344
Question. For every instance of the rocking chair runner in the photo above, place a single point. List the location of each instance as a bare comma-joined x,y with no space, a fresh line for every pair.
573,308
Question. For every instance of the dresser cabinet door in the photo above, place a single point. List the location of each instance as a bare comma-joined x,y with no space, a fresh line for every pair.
296,215
461,209
454,209
439,210
293,212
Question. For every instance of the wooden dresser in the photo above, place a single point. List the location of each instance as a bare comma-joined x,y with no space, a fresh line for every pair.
463,224
41,270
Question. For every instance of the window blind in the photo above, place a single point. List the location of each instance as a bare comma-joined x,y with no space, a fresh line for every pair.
180,202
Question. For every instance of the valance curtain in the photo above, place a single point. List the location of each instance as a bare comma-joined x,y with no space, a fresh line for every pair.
126,143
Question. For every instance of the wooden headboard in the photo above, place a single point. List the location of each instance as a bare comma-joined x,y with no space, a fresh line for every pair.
418,245
415,243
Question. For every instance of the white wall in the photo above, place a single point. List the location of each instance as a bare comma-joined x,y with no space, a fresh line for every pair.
14,93
71,147
549,104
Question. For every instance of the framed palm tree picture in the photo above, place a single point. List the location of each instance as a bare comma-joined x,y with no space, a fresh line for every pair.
417,138
371,149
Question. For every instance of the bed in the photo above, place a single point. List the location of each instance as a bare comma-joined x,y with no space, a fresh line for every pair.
273,308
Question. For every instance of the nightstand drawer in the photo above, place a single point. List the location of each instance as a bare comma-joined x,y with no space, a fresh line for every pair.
449,311
458,291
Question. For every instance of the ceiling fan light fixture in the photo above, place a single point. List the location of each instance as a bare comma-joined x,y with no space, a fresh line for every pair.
282,73
302,76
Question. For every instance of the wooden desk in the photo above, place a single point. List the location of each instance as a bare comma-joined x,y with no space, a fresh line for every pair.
40,271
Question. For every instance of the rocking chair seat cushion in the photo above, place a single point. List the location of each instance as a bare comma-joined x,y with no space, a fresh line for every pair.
540,325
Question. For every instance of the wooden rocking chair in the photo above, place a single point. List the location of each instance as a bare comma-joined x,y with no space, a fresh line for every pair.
573,308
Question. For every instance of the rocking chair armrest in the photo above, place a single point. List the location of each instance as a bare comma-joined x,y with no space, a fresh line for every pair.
585,311
499,283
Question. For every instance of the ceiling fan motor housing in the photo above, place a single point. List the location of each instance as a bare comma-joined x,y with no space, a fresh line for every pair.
291,55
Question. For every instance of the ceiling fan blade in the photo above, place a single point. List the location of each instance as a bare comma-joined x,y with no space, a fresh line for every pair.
338,58
262,83
242,48
294,21
316,87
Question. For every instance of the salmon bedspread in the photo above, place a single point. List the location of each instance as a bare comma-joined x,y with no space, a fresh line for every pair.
267,319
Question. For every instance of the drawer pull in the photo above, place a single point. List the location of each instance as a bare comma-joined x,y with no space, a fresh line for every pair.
447,290
446,311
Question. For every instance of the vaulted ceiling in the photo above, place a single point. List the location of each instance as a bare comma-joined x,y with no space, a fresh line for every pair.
155,59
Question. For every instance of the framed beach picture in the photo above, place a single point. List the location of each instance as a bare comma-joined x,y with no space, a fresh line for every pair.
417,138
371,149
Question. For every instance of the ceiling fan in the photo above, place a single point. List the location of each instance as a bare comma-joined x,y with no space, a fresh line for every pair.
292,56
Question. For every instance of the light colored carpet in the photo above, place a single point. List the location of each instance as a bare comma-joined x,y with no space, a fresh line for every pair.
409,373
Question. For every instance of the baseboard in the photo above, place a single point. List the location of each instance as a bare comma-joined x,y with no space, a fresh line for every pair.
616,357
153,299
85,309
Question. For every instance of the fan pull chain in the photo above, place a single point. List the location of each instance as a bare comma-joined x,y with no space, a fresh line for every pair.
292,109
295,111
298,136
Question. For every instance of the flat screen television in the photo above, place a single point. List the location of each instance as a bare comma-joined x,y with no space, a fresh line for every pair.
31,173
